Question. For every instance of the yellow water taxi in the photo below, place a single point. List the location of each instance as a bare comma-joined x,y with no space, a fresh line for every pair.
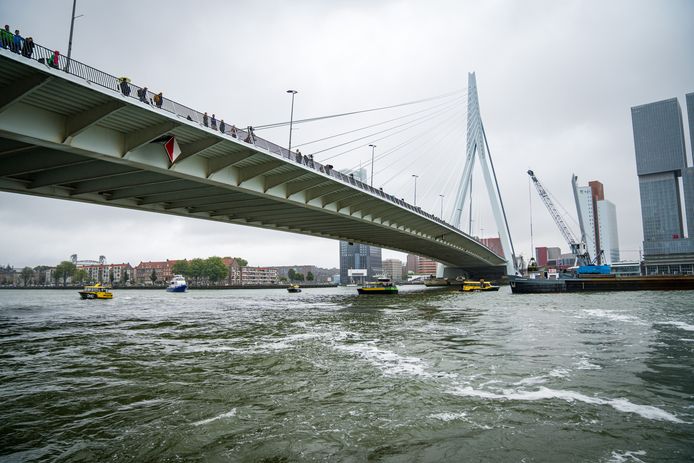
381,286
294,289
470,286
96,292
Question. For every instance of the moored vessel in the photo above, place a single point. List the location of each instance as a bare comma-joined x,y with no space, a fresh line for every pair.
433,281
96,291
382,285
603,283
177,285
474,285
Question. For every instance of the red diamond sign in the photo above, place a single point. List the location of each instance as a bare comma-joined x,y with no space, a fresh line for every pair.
172,149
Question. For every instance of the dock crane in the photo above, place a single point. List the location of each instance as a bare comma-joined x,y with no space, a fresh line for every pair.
578,248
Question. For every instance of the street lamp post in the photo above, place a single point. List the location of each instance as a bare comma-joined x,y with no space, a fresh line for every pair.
373,147
291,118
415,188
72,27
441,216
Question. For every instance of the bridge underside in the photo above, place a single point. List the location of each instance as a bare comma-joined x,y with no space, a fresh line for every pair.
64,139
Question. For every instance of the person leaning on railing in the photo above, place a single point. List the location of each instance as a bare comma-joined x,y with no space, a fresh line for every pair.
28,47
6,37
17,42
158,99
124,86
54,59
142,94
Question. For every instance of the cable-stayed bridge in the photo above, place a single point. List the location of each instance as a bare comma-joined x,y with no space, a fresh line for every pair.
73,132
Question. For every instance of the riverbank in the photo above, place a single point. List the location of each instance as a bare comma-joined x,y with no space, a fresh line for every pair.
78,287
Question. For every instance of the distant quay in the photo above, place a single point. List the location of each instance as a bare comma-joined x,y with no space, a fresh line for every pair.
162,288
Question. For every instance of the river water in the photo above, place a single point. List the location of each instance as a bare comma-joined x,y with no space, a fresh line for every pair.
326,375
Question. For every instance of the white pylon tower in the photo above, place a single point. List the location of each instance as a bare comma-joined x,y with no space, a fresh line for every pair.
477,146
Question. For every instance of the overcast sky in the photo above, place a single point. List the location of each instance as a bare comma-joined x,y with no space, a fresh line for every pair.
556,81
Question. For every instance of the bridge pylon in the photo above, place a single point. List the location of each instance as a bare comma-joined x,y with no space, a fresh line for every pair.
477,146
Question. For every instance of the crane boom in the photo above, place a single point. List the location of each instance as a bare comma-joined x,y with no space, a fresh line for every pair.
568,236
577,248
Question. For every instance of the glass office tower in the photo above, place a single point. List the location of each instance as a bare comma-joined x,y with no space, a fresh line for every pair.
661,161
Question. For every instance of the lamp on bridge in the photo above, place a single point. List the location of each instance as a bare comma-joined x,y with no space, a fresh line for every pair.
373,147
291,118
441,216
415,188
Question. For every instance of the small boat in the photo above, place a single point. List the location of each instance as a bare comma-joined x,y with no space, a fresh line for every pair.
382,285
177,285
470,286
294,289
96,291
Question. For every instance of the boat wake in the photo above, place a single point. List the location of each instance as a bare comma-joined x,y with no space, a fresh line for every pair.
680,325
544,393
228,414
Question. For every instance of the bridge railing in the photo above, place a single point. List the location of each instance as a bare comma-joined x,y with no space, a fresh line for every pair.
123,86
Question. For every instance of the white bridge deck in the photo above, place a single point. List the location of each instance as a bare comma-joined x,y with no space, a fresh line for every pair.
66,136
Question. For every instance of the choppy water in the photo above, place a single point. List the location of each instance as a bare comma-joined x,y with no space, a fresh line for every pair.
326,375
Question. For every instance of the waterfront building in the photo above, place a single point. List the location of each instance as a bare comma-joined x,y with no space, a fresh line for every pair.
426,266
626,268
493,243
359,258
258,276
162,269
661,160
607,231
102,272
688,173
356,258
393,269
543,255
418,265
565,261
411,265
599,217
234,276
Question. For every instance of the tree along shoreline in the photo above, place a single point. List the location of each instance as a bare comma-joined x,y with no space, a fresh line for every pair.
160,288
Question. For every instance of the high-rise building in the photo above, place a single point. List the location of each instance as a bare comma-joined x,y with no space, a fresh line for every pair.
411,265
599,217
544,254
661,160
494,243
393,269
421,265
688,173
356,257
426,266
607,231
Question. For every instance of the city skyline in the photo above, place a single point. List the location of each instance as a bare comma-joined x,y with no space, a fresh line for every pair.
549,116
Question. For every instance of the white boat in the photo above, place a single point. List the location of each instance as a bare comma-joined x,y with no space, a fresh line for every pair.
177,285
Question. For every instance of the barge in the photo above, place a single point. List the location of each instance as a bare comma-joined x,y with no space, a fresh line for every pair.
591,283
